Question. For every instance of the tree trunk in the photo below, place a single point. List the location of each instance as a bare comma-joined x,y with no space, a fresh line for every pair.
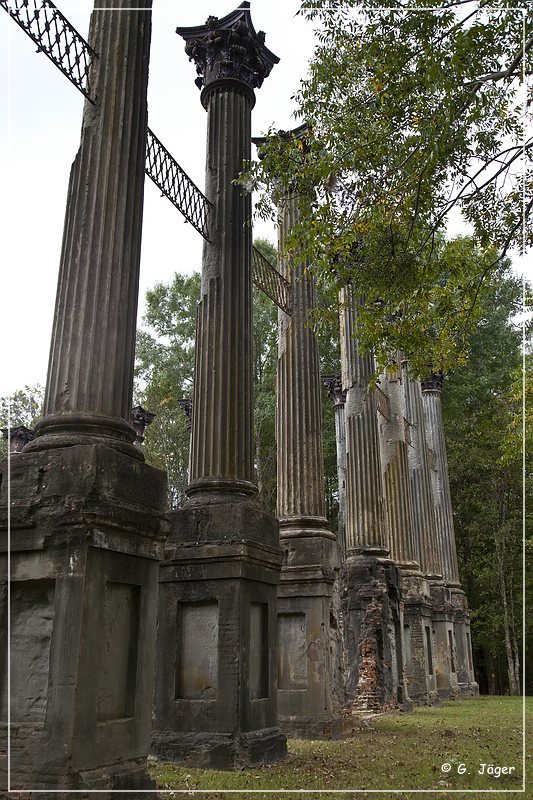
514,684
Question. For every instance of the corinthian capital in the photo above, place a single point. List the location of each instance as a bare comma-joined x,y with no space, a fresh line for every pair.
229,49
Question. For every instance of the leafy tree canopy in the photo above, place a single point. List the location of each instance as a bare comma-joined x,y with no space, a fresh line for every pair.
411,114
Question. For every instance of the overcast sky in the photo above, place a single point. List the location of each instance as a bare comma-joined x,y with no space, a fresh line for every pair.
39,137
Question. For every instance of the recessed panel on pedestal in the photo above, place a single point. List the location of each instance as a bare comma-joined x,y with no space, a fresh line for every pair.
118,665
258,650
32,618
197,667
292,653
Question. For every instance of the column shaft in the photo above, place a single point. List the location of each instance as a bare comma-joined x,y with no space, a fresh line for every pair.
222,434
441,485
301,503
394,464
421,491
90,374
365,523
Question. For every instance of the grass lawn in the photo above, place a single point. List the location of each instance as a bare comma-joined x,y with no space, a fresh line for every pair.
396,751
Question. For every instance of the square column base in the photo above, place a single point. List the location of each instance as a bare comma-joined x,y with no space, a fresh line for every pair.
310,669
372,613
417,630
444,641
215,692
87,534
468,685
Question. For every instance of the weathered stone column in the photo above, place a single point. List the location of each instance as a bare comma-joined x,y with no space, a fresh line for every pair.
310,671
87,515
395,440
450,607
90,373
423,515
215,696
421,489
337,395
371,600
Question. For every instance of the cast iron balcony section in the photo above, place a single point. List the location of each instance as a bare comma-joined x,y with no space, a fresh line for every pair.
176,185
271,282
55,37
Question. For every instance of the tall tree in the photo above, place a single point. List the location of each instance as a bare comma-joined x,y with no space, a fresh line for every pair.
481,408
413,112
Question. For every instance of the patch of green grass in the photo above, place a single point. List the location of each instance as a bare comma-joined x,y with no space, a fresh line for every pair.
395,751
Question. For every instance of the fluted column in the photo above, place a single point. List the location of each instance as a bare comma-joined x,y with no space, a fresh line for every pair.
431,393
301,503
90,374
394,464
421,491
222,434
337,396
365,521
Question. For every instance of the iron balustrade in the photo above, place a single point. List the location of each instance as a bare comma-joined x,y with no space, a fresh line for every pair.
55,37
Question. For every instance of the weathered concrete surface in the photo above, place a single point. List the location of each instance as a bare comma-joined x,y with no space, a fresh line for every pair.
215,690
87,533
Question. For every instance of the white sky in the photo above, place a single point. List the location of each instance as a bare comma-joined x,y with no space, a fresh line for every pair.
39,136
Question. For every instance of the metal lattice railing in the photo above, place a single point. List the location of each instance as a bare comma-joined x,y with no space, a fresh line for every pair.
175,184
55,37
67,49
271,282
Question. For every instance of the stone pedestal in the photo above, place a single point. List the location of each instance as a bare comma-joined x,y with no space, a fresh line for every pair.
216,666
87,533
373,635
310,675
418,642
468,685
216,699
444,640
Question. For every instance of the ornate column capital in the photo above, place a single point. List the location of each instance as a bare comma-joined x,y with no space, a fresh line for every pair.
336,393
18,437
433,383
227,50
139,420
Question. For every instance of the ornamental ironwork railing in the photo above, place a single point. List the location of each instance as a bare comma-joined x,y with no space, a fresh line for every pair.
176,185
55,37
271,282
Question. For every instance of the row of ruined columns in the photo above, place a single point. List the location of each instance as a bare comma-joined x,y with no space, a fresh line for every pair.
249,626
